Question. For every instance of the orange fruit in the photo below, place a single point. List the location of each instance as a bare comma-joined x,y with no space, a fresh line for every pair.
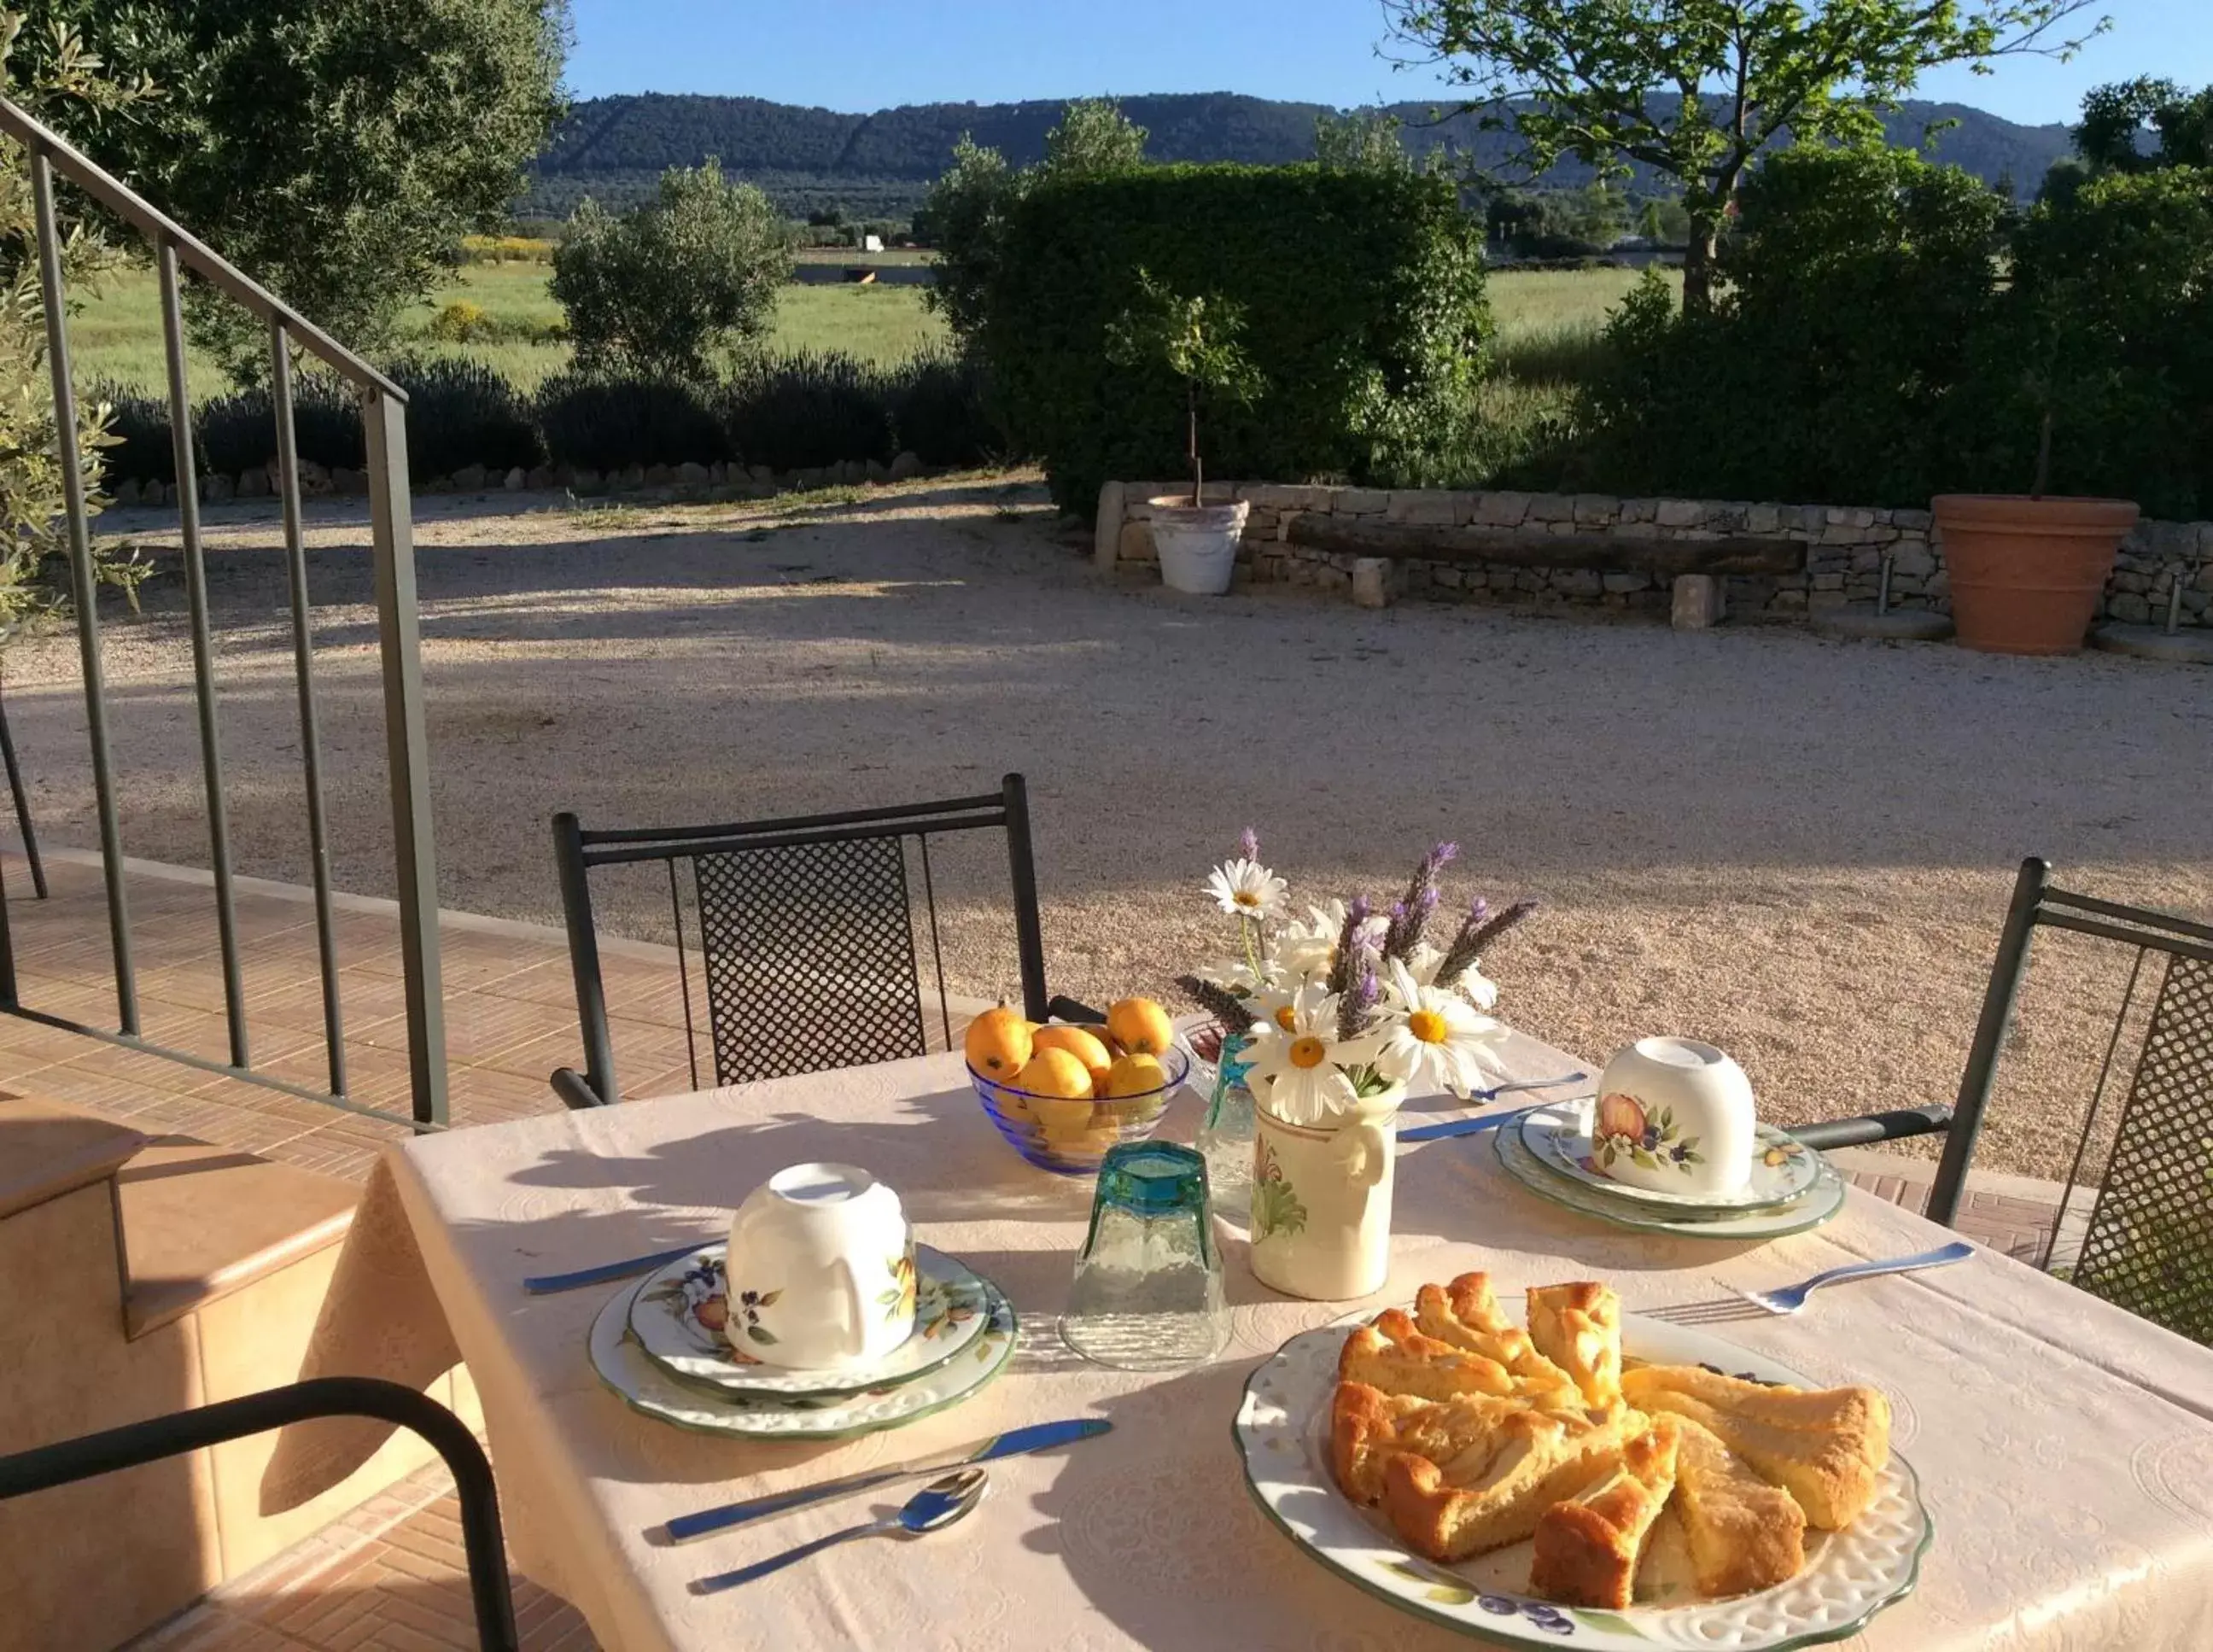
1082,1044
1141,1026
998,1044
1133,1076
1055,1073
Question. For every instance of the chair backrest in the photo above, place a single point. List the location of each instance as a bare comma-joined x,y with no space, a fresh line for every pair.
807,929
2148,1245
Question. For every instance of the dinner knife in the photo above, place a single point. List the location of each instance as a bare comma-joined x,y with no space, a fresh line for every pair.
1040,1436
1458,1127
545,1283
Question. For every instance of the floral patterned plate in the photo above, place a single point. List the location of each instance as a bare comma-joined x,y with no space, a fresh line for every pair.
1283,1435
1607,1203
1783,1170
645,1387
685,1321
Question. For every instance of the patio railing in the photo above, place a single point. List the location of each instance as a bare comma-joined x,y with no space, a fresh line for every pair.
383,407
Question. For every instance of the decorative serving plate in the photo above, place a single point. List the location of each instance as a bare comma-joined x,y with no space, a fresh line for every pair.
1283,1435
1784,1170
644,1387
1825,1199
685,1321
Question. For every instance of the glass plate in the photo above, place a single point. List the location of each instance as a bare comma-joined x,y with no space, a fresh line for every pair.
645,1387
680,1308
1827,1198
1282,1429
1783,1170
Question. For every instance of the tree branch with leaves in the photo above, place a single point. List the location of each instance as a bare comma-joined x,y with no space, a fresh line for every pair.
1694,89
1200,340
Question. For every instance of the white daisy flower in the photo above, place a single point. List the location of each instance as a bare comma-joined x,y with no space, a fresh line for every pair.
1300,1061
1233,975
1433,1036
1245,888
1422,964
1307,946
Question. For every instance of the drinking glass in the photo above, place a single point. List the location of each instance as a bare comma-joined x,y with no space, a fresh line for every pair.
1148,1290
1226,1137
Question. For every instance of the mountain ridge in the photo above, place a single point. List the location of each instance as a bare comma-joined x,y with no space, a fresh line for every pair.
880,163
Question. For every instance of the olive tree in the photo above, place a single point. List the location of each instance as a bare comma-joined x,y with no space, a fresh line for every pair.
668,286
1693,90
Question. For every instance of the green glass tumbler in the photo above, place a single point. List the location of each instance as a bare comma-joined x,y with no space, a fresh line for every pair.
1147,1294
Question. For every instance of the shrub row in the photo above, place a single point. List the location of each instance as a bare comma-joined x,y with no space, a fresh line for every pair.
1891,331
805,411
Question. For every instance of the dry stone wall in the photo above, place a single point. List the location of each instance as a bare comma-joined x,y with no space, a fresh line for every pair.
1845,546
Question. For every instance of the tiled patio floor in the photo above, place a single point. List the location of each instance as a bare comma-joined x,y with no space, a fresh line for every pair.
391,1575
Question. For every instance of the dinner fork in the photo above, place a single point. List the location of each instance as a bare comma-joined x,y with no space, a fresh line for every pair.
1789,1299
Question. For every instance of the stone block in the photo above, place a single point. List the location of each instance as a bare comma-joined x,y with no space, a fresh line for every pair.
690,473
1593,509
218,489
1286,496
905,465
1725,517
1361,501
1916,560
1696,602
125,490
1678,513
1912,521
1262,524
1421,507
1787,601
1638,510
314,478
1501,509
1135,544
1106,527
1371,583
346,480
468,477
1762,519
516,478
1828,581
659,476
2129,608
1578,582
1552,508
253,485
1621,583
541,476
1450,577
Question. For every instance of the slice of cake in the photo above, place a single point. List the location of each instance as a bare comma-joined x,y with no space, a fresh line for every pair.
1744,1535
1465,1314
1367,1426
1834,1471
1587,1546
1577,1326
1496,1496
1860,1411
1392,1356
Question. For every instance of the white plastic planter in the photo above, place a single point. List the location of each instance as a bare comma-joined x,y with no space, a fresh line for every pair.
1196,543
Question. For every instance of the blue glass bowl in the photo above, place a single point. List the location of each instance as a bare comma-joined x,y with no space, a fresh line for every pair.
1072,1137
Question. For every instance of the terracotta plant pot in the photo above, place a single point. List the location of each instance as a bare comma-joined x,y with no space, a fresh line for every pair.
2025,573
1197,545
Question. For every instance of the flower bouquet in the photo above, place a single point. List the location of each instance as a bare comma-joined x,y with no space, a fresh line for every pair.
1333,1016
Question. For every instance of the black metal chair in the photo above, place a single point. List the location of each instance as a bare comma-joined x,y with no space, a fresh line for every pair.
807,934
135,1443
2148,1246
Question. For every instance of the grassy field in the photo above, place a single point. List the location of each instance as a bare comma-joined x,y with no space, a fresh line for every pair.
119,335
1549,323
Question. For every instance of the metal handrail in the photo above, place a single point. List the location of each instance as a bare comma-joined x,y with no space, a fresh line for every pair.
383,408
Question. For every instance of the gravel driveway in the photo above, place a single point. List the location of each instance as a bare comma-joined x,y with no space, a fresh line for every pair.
1798,848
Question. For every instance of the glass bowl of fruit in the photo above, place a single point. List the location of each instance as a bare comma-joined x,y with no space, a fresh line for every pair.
1062,1094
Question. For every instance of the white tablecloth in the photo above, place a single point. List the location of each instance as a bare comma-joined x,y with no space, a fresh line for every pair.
2065,1448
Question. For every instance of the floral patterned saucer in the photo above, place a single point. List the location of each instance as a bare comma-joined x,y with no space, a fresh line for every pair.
1282,1429
1784,1170
1606,1203
646,1388
686,1322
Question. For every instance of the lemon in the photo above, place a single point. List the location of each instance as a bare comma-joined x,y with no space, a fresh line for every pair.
1141,1026
1133,1076
998,1044
1080,1043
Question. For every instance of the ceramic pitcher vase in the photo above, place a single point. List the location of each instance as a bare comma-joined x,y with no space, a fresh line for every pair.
1321,1200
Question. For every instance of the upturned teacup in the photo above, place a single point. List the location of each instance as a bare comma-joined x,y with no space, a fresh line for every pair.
1675,1116
821,1268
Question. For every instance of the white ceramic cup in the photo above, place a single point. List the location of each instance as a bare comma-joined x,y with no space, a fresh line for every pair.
1675,1116
827,1252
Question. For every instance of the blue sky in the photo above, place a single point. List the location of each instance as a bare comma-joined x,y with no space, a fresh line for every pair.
870,54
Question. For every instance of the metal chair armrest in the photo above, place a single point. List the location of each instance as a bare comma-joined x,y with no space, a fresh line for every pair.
1070,1009
1874,1127
66,1461
576,1090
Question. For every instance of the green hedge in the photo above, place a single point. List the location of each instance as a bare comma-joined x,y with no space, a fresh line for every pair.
1890,331
1364,314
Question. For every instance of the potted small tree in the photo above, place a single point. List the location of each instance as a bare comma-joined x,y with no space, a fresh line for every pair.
1197,339
2027,570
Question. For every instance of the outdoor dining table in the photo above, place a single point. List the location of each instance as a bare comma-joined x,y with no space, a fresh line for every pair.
2064,1446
